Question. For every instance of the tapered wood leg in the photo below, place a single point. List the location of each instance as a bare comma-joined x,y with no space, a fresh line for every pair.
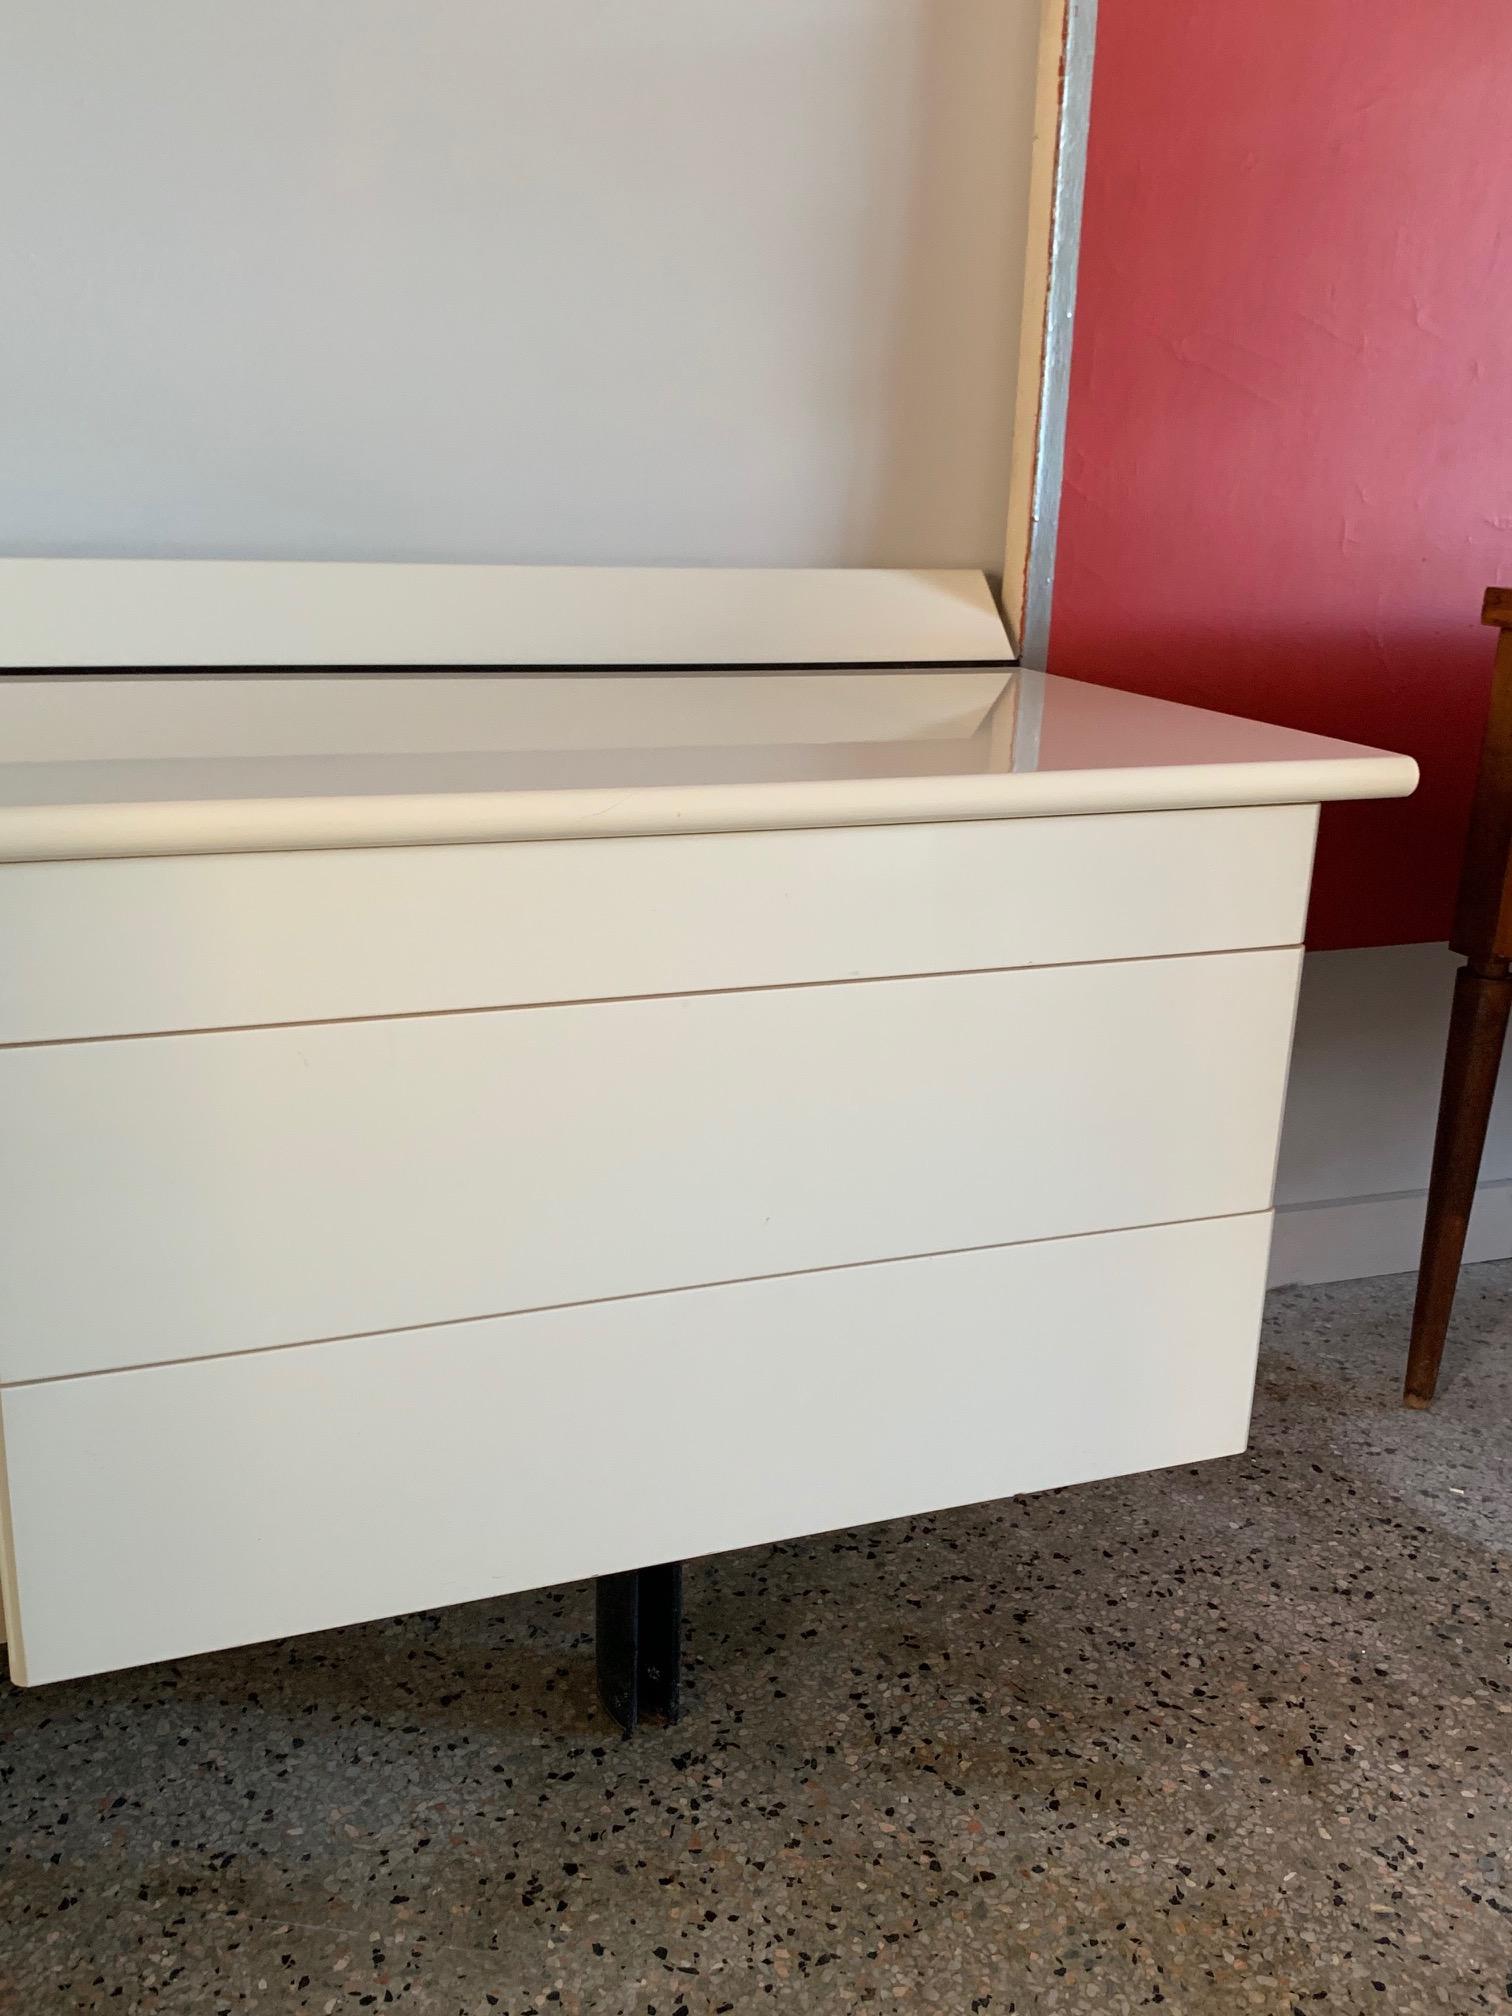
1477,1031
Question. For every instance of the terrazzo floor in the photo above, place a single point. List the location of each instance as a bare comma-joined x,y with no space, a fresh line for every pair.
1234,1737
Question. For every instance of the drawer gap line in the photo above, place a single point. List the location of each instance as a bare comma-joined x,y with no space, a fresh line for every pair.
614,1000
634,1295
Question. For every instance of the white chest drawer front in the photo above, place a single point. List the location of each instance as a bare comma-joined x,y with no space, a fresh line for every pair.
95,948
170,1511
186,1196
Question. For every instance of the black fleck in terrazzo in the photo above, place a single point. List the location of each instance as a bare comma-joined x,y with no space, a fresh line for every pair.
1236,1737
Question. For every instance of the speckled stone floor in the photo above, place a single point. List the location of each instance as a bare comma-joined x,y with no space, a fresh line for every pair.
1236,1737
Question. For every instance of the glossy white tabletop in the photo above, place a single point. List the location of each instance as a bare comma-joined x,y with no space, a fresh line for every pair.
116,764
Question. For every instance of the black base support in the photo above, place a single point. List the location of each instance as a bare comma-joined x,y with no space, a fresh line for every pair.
638,1643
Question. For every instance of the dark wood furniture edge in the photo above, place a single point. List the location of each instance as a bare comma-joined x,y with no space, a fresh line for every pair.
1478,1021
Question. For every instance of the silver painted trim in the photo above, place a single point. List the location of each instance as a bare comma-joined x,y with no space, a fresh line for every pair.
1060,316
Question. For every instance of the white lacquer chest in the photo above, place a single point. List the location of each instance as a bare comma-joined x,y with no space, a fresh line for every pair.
455,1022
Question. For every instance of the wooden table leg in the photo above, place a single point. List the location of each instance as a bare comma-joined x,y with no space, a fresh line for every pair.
1477,1031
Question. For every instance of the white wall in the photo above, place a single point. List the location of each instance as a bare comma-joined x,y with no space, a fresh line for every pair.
1355,1150
592,280
538,280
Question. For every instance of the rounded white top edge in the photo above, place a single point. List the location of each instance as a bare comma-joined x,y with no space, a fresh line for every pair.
204,765
260,825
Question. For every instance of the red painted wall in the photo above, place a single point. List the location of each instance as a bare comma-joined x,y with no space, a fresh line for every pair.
1289,456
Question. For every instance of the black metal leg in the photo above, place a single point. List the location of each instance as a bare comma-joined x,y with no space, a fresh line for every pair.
660,1665
638,1643
617,1645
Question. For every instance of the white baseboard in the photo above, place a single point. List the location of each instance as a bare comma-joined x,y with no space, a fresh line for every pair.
1348,1237
1353,1177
